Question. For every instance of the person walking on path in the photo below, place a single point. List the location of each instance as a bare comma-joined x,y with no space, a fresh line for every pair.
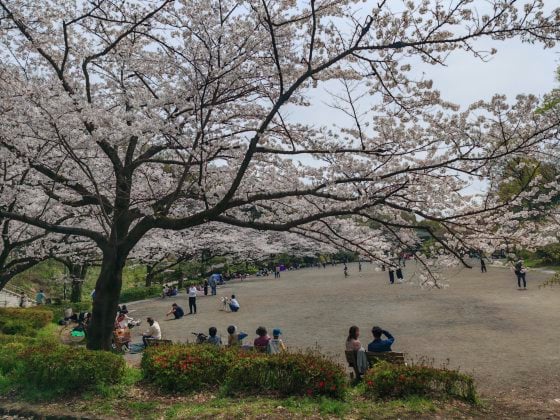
192,299
205,287
520,271
40,298
391,275
213,282
482,265
345,270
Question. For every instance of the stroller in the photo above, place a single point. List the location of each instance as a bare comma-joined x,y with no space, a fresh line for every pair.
121,339
201,338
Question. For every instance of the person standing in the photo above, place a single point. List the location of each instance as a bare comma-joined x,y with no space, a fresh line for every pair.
391,275
205,287
22,300
399,274
360,266
213,284
40,298
345,270
520,272
482,265
192,299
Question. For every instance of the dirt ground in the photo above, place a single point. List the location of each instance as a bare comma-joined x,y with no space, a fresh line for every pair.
507,338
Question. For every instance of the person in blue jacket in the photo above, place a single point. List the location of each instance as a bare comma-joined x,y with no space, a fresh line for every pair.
378,345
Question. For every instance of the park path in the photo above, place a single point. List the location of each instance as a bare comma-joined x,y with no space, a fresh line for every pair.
508,339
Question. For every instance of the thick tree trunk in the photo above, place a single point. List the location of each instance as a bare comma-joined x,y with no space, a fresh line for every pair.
107,292
78,273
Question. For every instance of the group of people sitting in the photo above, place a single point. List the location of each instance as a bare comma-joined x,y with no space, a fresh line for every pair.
169,291
377,345
263,342
123,320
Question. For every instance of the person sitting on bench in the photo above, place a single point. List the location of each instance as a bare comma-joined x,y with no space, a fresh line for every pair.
378,345
153,332
352,342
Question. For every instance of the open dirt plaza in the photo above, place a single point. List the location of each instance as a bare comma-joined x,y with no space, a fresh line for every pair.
508,339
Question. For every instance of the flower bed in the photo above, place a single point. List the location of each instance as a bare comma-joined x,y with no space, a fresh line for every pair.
385,380
310,374
181,367
196,367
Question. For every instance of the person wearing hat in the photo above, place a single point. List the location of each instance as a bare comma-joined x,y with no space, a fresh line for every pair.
275,344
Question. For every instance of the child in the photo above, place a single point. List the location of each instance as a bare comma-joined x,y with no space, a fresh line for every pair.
213,339
235,338
275,344
261,342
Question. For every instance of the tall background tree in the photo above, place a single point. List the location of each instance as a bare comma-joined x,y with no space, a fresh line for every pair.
166,115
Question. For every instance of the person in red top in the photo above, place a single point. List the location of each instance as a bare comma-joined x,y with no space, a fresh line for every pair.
261,342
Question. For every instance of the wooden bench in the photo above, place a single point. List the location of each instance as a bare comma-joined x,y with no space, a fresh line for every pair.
373,358
153,342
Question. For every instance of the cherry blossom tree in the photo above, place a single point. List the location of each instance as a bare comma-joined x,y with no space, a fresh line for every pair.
168,115
164,249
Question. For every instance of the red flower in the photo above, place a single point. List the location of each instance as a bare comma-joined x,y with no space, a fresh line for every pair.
309,392
321,384
370,383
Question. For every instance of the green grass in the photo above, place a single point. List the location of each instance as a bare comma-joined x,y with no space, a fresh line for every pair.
300,407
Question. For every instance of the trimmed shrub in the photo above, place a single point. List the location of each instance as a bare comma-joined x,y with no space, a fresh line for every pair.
35,317
139,293
310,374
184,367
385,380
10,356
60,369
5,339
18,327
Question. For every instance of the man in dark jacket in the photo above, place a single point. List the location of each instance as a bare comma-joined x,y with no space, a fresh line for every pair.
378,345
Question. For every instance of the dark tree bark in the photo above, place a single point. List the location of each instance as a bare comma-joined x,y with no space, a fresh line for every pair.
78,273
105,303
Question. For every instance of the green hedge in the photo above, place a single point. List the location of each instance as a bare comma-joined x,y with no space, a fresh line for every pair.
385,380
25,322
181,367
196,367
140,293
58,369
36,317
310,374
